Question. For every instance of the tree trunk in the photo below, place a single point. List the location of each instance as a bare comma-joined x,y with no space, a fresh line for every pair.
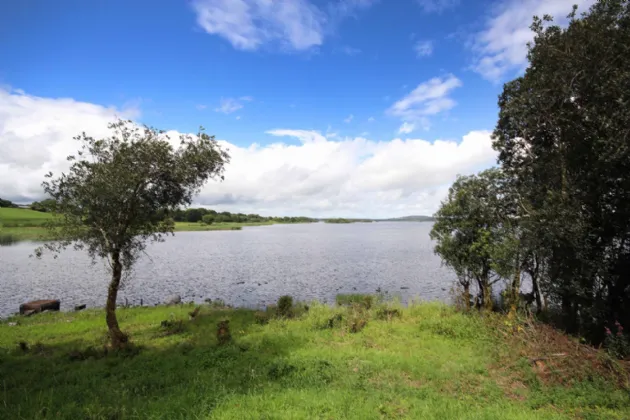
537,294
467,296
516,287
117,337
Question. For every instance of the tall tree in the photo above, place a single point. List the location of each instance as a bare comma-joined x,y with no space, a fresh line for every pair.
475,233
563,135
114,198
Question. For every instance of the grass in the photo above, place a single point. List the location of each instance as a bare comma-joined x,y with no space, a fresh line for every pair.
24,224
430,362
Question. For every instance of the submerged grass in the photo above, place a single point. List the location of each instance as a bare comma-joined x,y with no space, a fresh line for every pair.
427,362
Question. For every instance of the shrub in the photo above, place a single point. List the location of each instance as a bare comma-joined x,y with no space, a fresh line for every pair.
285,306
171,327
334,321
386,313
223,332
618,343
357,318
367,301
261,317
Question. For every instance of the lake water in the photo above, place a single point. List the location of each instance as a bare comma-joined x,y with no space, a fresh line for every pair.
251,267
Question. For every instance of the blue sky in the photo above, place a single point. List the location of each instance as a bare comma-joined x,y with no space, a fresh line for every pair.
344,69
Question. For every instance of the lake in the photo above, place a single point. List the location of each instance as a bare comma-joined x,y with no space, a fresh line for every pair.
251,267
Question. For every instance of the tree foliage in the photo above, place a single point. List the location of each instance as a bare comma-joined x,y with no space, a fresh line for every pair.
564,145
120,191
475,233
563,134
6,203
194,215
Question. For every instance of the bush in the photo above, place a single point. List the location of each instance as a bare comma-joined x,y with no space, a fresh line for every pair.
223,332
386,313
261,317
285,306
367,301
357,319
208,219
618,343
171,327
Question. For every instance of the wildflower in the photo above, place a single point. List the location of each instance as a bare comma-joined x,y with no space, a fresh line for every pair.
608,332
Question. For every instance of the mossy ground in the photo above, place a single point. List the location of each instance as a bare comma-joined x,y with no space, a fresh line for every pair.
427,362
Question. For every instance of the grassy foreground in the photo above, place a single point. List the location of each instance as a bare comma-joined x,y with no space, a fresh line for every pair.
425,361
25,224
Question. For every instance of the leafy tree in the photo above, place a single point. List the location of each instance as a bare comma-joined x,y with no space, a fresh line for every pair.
44,205
115,196
475,235
563,136
208,219
6,203
194,215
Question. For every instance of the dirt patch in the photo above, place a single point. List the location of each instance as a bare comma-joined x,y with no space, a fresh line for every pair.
555,357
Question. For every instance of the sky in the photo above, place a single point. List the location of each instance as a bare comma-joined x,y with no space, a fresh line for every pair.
329,108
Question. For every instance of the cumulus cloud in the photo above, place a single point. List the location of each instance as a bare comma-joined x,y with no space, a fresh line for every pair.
294,24
427,99
423,48
36,136
501,46
315,177
348,119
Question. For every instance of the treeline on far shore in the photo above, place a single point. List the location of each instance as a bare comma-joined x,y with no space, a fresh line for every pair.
208,216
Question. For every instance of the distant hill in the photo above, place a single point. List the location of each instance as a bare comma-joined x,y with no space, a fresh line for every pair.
410,219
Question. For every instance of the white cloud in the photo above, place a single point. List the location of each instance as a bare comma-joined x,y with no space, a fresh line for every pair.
36,136
315,177
423,48
294,24
201,107
406,128
229,105
371,119
238,117
437,6
427,99
349,119
501,47
349,50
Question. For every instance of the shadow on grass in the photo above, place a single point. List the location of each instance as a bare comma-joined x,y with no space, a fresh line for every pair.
180,375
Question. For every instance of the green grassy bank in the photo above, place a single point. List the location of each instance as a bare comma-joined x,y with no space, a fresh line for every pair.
25,224
425,361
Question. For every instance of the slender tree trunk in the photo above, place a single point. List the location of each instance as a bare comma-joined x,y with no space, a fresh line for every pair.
467,296
537,294
117,337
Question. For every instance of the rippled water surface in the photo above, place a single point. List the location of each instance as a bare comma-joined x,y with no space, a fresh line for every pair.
251,267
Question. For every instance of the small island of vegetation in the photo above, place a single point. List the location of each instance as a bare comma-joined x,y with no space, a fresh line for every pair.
344,220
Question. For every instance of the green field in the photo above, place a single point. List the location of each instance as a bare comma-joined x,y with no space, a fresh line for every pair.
22,224
25,224
428,363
